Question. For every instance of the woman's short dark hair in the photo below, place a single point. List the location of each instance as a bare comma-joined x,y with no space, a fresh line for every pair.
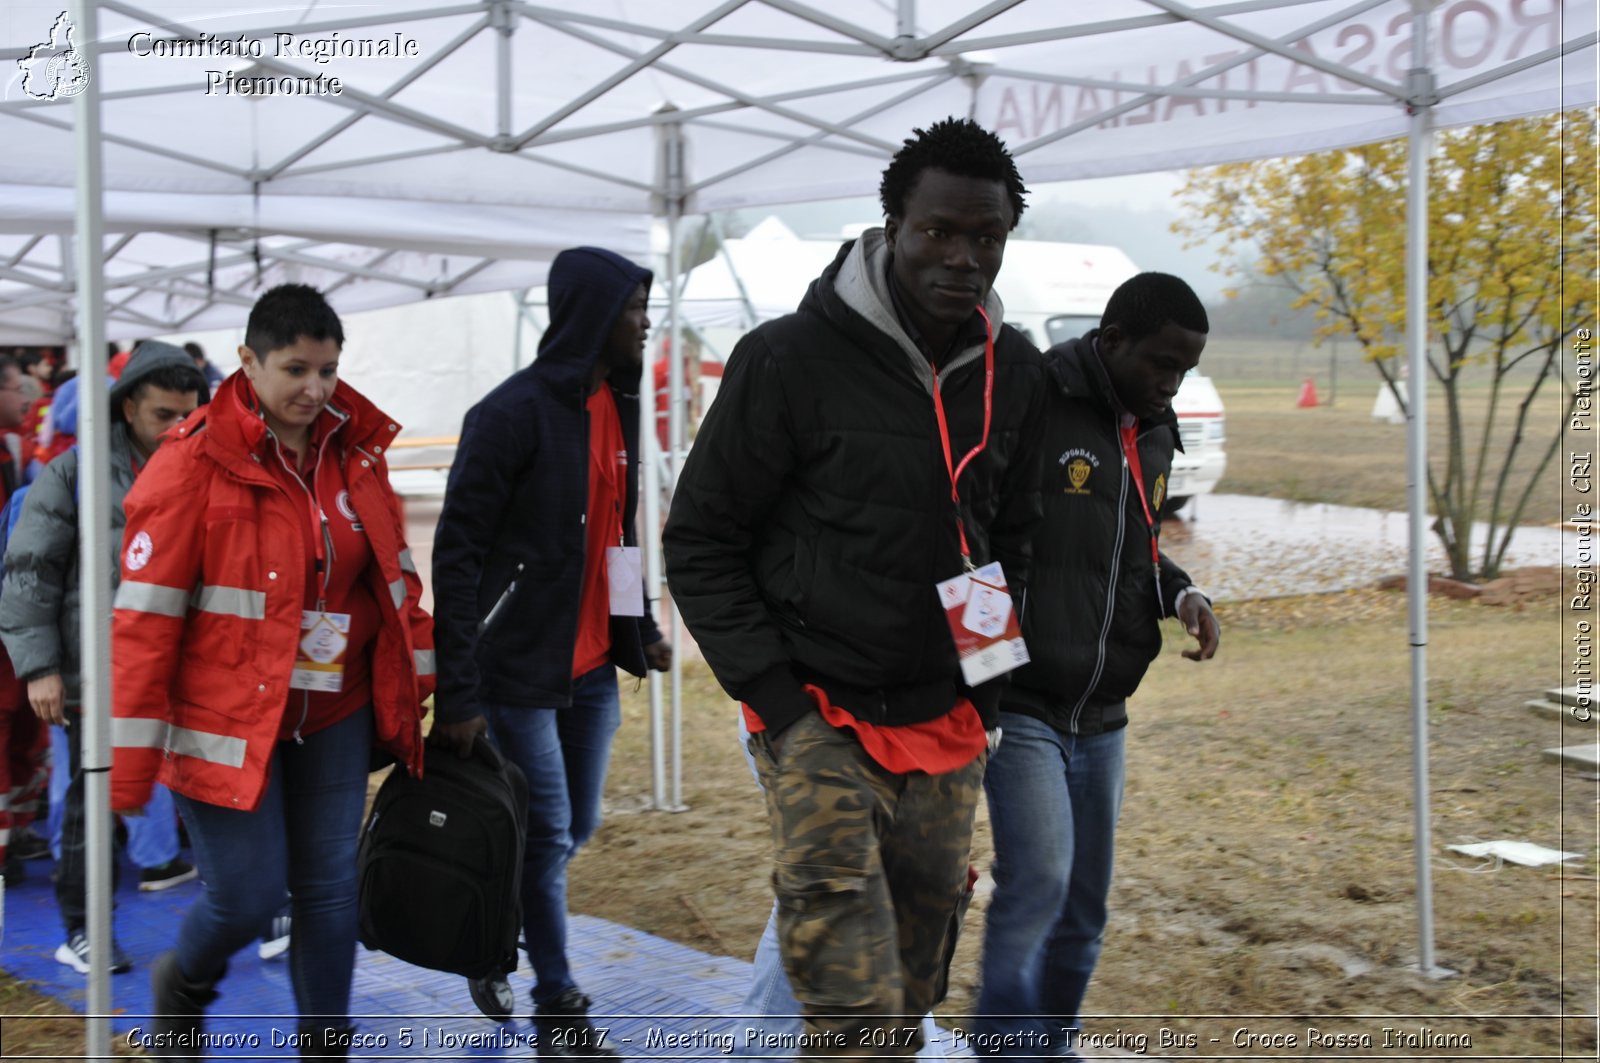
285,314
957,146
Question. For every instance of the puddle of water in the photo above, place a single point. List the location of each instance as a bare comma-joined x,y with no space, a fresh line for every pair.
1238,546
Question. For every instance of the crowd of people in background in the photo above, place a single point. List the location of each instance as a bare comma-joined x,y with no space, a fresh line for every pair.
921,555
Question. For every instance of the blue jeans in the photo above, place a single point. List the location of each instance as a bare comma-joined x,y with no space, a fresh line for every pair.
1053,805
60,779
564,753
300,840
153,837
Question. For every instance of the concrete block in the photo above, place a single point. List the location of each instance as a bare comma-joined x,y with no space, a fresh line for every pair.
1551,710
1585,757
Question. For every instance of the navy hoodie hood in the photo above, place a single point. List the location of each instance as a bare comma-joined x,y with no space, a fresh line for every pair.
588,288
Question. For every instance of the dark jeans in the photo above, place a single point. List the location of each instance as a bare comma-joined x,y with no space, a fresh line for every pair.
564,753
72,868
300,840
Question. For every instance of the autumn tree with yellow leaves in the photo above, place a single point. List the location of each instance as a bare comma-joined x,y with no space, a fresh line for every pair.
1511,278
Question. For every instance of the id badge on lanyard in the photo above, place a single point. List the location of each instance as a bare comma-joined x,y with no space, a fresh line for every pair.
319,657
626,580
983,623
976,604
324,636
624,572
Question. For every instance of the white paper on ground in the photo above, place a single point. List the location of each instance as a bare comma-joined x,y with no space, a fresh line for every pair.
1525,853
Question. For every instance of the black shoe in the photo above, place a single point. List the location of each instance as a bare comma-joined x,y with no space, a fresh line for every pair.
15,870
172,873
180,1008
565,1032
493,996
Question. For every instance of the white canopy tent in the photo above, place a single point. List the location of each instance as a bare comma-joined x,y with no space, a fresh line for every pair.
482,110
689,106
165,274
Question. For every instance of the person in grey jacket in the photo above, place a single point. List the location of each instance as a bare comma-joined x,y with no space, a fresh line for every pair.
40,604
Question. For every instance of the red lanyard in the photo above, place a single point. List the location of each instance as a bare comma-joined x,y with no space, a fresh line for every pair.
1130,451
954,470
319,525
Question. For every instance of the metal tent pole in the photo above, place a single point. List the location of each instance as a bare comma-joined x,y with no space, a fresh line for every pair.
650,493
94,523
1421,96
670,185
677,433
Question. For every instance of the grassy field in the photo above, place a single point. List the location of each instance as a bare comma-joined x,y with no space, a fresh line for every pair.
1266,863
1338,453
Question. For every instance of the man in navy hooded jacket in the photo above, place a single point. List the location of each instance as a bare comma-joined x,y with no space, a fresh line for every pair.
540,502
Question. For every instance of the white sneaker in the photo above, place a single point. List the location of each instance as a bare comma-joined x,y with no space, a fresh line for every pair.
276,941
74,953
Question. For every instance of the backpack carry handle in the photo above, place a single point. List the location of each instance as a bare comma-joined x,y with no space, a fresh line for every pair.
486,751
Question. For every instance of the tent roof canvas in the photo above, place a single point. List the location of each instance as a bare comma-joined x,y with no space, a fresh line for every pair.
487,132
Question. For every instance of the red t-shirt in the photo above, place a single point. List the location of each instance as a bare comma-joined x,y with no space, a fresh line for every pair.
346,556
608,463
935,746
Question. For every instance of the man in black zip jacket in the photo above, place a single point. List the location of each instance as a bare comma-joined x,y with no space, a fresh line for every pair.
539,506
850,460
1099,588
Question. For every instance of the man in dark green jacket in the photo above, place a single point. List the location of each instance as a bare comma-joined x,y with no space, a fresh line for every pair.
1099,588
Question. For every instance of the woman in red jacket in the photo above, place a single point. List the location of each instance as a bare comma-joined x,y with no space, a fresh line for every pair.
267,636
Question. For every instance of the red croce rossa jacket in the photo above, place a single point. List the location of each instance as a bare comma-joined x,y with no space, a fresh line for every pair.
208,611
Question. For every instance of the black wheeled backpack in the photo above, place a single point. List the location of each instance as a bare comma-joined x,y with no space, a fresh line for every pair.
440,867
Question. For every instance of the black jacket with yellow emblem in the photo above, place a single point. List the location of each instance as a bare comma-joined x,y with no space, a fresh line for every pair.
1095,602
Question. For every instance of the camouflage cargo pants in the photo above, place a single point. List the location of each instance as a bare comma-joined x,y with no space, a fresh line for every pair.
870,873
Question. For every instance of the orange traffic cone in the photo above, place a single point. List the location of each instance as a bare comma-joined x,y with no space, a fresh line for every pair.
1308,394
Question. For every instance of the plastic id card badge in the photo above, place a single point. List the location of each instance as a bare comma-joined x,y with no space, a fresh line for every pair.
319,659
983,623
627,583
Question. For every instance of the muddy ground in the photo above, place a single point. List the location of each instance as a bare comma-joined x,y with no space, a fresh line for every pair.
1266,882
1266,875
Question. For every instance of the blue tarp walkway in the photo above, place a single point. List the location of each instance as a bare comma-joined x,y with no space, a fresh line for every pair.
659,999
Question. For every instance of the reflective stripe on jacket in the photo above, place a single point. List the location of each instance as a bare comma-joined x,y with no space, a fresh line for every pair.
208,613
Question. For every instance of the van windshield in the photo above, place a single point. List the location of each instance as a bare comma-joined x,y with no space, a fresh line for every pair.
1064,327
